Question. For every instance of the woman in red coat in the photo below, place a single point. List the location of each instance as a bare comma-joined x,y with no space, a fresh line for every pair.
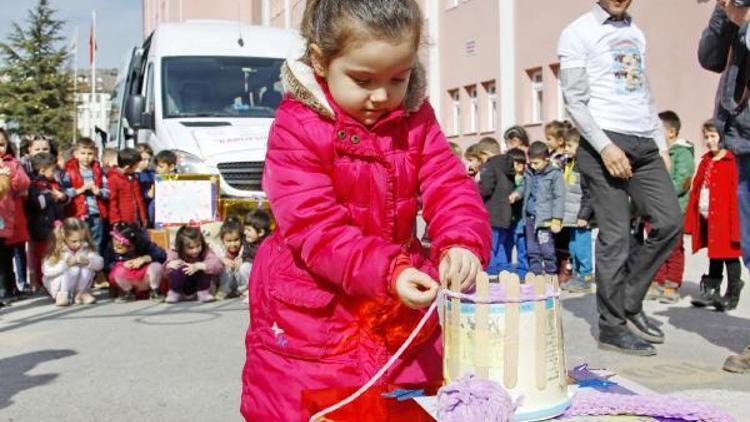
713,221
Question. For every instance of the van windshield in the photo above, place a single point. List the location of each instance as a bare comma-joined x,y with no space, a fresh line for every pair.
221,86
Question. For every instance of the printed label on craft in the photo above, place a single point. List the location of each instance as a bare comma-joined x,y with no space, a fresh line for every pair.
551,347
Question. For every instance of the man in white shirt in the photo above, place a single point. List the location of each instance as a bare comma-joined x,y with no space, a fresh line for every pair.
606,93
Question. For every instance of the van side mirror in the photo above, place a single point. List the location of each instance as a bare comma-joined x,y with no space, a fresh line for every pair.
136,114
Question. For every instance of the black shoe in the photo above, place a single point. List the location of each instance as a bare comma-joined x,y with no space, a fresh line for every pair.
732,298
640,325
626,342
155,296
710,292
126,297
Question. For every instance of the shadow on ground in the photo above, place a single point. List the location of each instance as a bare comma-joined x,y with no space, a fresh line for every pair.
14,377
722,329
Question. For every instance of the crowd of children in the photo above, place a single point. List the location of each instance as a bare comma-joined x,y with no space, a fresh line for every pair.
66,217
540,206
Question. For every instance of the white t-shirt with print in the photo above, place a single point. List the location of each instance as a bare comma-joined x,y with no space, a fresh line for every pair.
613,54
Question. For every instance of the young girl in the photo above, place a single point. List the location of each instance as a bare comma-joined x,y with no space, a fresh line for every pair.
71,264
335,290
138,263
236,272
713,221
13,229
191,267
554,135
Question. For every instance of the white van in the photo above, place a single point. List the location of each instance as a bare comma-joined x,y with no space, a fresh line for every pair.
207,90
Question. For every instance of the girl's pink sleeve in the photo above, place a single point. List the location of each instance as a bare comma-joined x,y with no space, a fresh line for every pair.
19,180
213,263
452,206
313,224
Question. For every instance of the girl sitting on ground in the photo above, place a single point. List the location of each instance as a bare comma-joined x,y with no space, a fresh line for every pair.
71,264
191,267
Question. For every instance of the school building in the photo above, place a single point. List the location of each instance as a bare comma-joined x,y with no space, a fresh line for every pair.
493,63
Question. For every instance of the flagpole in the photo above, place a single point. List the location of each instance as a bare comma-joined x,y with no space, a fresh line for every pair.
92,46
75,85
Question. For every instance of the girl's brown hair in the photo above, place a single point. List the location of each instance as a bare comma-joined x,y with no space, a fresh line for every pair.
557,128
192,234
332,25
62,231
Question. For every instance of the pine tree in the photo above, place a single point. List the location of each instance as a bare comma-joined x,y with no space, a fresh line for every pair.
36,94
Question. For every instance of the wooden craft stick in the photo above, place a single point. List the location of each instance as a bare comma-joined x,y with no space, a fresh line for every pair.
455,322
481,335
540,335
561,362
512,319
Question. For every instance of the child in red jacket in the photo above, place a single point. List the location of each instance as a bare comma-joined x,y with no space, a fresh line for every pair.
713,221
125,197
86,185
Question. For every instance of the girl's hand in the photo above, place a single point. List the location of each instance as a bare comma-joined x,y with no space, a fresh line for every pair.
416,289
194,268
4,171
555,227
228,263
461,265
176,264
71,261
57,195
513,197
581,223
83,261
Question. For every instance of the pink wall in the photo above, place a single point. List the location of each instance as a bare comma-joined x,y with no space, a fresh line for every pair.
161,11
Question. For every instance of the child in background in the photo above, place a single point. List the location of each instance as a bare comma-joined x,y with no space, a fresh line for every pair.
496,183
125,197
668,279
336,288
71,264
86,184
554,134
517,222
146,179
713,221
109,159
474,160
191,267
257,229
32,145
13,230
44,206
137,263
233,280
165,162
543,193
578,213
516,137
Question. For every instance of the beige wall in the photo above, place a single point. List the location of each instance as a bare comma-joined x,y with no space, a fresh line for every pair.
468,52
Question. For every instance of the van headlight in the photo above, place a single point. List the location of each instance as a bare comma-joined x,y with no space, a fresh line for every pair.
192,164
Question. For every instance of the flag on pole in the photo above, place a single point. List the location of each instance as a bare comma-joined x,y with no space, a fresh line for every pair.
92,39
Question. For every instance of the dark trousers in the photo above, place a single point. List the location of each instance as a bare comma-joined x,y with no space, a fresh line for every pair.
7,276
540,249
624,270
743,202
188,284
716,268
20,260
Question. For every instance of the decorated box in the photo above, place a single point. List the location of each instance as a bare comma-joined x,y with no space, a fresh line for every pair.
185,198
239,207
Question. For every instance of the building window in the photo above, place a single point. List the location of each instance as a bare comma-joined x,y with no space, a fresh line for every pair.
489,88
537,96
471,91
455,110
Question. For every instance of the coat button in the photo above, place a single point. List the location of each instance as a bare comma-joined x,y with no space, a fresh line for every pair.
341,134
355,139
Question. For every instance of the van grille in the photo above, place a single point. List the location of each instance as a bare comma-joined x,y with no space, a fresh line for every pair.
245,175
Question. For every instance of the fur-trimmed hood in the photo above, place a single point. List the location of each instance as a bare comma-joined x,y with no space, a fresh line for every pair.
299,81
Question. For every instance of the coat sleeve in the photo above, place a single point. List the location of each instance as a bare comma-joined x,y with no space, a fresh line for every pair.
691,212
114,201
487,181
52,270
37,201
683,171
19,180
453,209
558,197
716,42
315,226
213,263
734,219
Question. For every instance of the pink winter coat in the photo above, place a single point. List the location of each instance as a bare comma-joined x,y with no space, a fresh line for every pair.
345,198
12,225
